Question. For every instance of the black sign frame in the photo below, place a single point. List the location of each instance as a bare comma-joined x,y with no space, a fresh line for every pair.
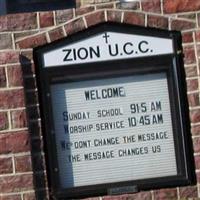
171,64
19,6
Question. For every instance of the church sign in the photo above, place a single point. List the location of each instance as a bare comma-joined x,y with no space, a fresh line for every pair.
114,111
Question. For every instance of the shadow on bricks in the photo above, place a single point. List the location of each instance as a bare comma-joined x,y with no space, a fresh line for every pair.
34,126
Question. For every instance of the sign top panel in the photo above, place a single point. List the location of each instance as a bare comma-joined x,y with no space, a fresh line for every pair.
107,46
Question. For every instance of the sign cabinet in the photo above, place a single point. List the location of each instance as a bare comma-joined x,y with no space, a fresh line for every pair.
114,111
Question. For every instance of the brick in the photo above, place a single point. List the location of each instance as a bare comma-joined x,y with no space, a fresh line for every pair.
198,176
11,99
14,142
198,19
15,77
198,52
137,196
63,16
151,6
25,21
32,41
10,197
84,10
95,18
128,5
195,115
157,21
18,119
29,196
3,23
75,26
197,161
56,34
188,192
6,165
195,130
192,84
101,1
78,3
187,16
196,144
85,2
23,163
118,197
187,37
191,71
197,36
3,121
134,18
2,77
165,194
21,35
193,99
92,198
105,6
114,16
140,195
6,41
7,57
189,55
171,6
46,19
17,183
181,25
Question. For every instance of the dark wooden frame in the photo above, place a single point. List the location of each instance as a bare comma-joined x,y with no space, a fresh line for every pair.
18,6
171,64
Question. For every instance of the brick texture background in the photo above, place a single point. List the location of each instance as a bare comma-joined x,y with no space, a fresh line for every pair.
22,164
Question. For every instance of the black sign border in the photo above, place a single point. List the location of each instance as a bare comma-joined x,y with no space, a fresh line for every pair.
171,64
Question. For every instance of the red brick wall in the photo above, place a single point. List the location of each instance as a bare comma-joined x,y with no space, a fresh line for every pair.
22,165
